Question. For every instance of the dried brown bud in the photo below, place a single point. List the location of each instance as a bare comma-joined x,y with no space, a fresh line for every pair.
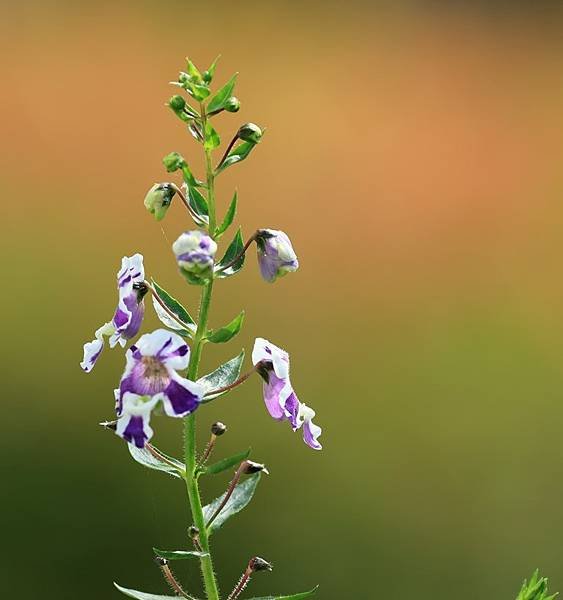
250,467
218,428
259,564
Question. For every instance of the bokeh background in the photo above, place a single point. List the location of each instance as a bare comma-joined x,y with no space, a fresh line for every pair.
414,155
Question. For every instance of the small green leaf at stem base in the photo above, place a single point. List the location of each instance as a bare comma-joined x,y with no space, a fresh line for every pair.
237,154
143,595
227,332
292,597
229,217
226,463
223,376
145,458
234,249
218,101
179,554
240,498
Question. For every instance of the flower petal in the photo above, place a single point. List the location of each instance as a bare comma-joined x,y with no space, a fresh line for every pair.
133,426
92,351
265,351
276,391
181,397
310,431
167,346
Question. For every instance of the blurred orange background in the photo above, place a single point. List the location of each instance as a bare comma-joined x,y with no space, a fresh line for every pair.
413,154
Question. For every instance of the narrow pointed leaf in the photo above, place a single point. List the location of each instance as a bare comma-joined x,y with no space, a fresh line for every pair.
145,458
227,332
241,497
223,376
212,139
143,595
198,204
292,597
226,463
183,316
213,66
237,154
179,554
218,101
171,322
234,249
229,216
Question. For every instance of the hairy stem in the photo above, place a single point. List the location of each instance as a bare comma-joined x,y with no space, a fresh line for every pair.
206,562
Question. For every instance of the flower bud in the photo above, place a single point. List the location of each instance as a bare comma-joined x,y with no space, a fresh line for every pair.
177,103
160,561
158,199
251,467
207,76
195,253
232,104
249,132
218,428
193,531
276,256
259,564
173,162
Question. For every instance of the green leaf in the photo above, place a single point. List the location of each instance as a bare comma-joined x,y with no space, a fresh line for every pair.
184,319
218,101
179,554
234,249
198,204
535,589
227,332
171,322
145,458
237,154
193,71
229,217
292,597
212,139
223,376
242,495
143,595
226,463
213,66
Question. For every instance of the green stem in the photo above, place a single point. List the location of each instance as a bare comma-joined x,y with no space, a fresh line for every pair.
190,451
206,562
210,177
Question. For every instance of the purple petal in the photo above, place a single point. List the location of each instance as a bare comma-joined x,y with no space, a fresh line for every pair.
179,399
272,394
292,409
135,432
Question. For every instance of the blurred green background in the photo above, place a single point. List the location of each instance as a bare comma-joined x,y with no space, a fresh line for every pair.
414,155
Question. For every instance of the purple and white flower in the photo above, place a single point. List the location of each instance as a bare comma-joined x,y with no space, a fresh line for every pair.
276,256
272,364
195,253
151,371
128,315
